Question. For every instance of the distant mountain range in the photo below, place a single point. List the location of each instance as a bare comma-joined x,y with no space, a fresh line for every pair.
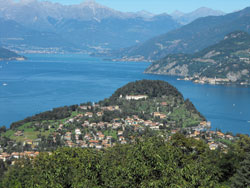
44,26
190,38
186,18
228,61
9,55
88,26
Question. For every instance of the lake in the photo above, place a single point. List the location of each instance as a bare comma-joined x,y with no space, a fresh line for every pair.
47,81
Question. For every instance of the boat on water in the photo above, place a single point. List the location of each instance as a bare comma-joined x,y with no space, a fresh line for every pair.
4,84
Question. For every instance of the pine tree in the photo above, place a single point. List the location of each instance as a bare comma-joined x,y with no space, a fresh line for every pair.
242,177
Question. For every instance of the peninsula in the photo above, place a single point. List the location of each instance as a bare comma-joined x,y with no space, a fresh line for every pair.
7,55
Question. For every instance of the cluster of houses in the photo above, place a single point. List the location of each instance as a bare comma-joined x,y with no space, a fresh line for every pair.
17,155
98,139
213,138
101,134
204,80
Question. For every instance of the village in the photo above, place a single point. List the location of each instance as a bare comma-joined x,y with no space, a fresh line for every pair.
206,80
81,131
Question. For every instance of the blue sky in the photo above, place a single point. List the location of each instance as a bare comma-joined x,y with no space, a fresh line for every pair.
160,6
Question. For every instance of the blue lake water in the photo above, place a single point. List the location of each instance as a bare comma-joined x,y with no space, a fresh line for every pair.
47,81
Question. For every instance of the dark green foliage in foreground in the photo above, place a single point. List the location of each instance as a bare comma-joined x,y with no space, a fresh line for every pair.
147,163
242,177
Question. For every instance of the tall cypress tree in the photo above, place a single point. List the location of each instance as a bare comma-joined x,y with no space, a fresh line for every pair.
242,177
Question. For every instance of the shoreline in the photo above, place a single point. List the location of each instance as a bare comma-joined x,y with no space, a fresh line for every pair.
205,80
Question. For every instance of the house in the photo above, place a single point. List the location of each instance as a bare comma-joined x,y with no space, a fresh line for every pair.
77,131
29,153
164,103
69,144
116,120
101,124
104,142
99,114
160,115
84,145
98,147
88,114
213,146
155,127
5,156
71,120
121,138
98,133
91,145
19,133
156,114
87,137
95,142
15,155
123,142
120,133
220,134
36,142
174,131
101,137
109,137
196,133
163,116
136,97
148,123
83,107
229,137
67,136
28,142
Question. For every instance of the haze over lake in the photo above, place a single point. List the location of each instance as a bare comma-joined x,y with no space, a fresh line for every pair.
47,81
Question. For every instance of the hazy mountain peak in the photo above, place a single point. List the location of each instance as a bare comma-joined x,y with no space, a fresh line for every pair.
92,4
28,1
177,14
208,11
185,18
145,14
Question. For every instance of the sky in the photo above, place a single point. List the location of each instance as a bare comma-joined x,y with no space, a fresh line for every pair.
167,6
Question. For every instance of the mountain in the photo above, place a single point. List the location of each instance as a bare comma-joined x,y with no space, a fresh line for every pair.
86,26
113,32
18,37
225,62
186,18
9,55
190,38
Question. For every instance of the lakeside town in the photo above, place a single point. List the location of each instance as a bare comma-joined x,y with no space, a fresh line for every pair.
213,81
84,130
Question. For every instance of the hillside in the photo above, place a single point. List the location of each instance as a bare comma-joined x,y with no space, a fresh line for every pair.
9,55
228,61
190,38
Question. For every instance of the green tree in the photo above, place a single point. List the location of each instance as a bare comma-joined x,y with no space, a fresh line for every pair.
242,177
